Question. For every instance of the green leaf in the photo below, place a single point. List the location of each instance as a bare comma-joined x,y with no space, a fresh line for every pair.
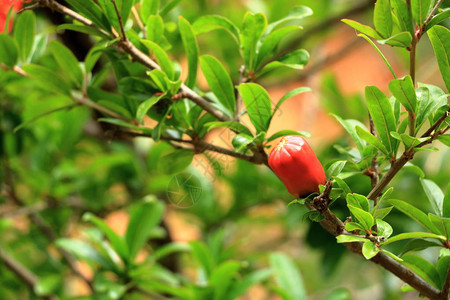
169,249
296,13
160,79
442,225
380,213
380,53
269,44
67,62
383,117
443,263
288,132
420,10
403,90
434,194
401,10
24,32
336,168
446,203
438,18
214,22
346,238
47,78
423,268
241,141
37,117
363,29
384,228
371,139
203,256
392,255
287,277
290,95
144,107
369,249
257,102
445,139
117,242
413,213
419,244
125,124
47,285
8,50
83,251
162,58
222,278
363,217
219,81
168,7
343,185
241,286
295,60
409,141
191,49
253,27
81,28
149,7
91,10
175,162
401,39
350,126
155,31
352,226
382,18
143,219
440,40
358,201
235,126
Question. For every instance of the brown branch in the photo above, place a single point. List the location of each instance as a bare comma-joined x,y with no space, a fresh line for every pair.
425,23
119,18
374,172
28,277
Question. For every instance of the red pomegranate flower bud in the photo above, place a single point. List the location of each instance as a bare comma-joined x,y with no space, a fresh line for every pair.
296,164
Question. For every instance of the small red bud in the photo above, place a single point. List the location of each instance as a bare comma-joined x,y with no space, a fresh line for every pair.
296,164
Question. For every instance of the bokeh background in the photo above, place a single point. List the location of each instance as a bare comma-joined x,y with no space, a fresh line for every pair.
66,163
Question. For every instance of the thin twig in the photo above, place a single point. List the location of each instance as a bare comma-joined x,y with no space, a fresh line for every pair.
119,17
430,16
374,172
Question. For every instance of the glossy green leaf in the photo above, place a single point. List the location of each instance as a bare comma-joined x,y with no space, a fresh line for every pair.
8,50
401,39
363,217
144,107
235,126
353,226
241,141
358,201
429,99
143,218
219,81
438,18
434,194
420,10
191,49
155,31
287,277
382,115
294,60
346,238
380,213
363,29
442,225
47,78
419,244
369,249
91,10
149,7
287,132
336,168
443,263
403,90
423,268
384,228
401,10
413,213
440,40
392,255
213,22
257,102
350,126
382,18
270,42
413,235
108,9
117,242
371,139
343,185
83,251
24,32
290,94
253,27
161,57
67,62
296,13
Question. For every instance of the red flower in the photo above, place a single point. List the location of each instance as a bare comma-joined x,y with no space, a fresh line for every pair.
296,164
5,5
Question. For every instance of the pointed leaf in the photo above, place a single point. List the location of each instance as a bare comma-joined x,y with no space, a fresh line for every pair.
363,217
287,276
8,50
382,18
440,40
214,22
24,32
420,10
414,213
288,132
434,194
67,62
297,13
257,102
191,49
403,90
369,249
346,238
161,57
371,139
252,29
363,29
